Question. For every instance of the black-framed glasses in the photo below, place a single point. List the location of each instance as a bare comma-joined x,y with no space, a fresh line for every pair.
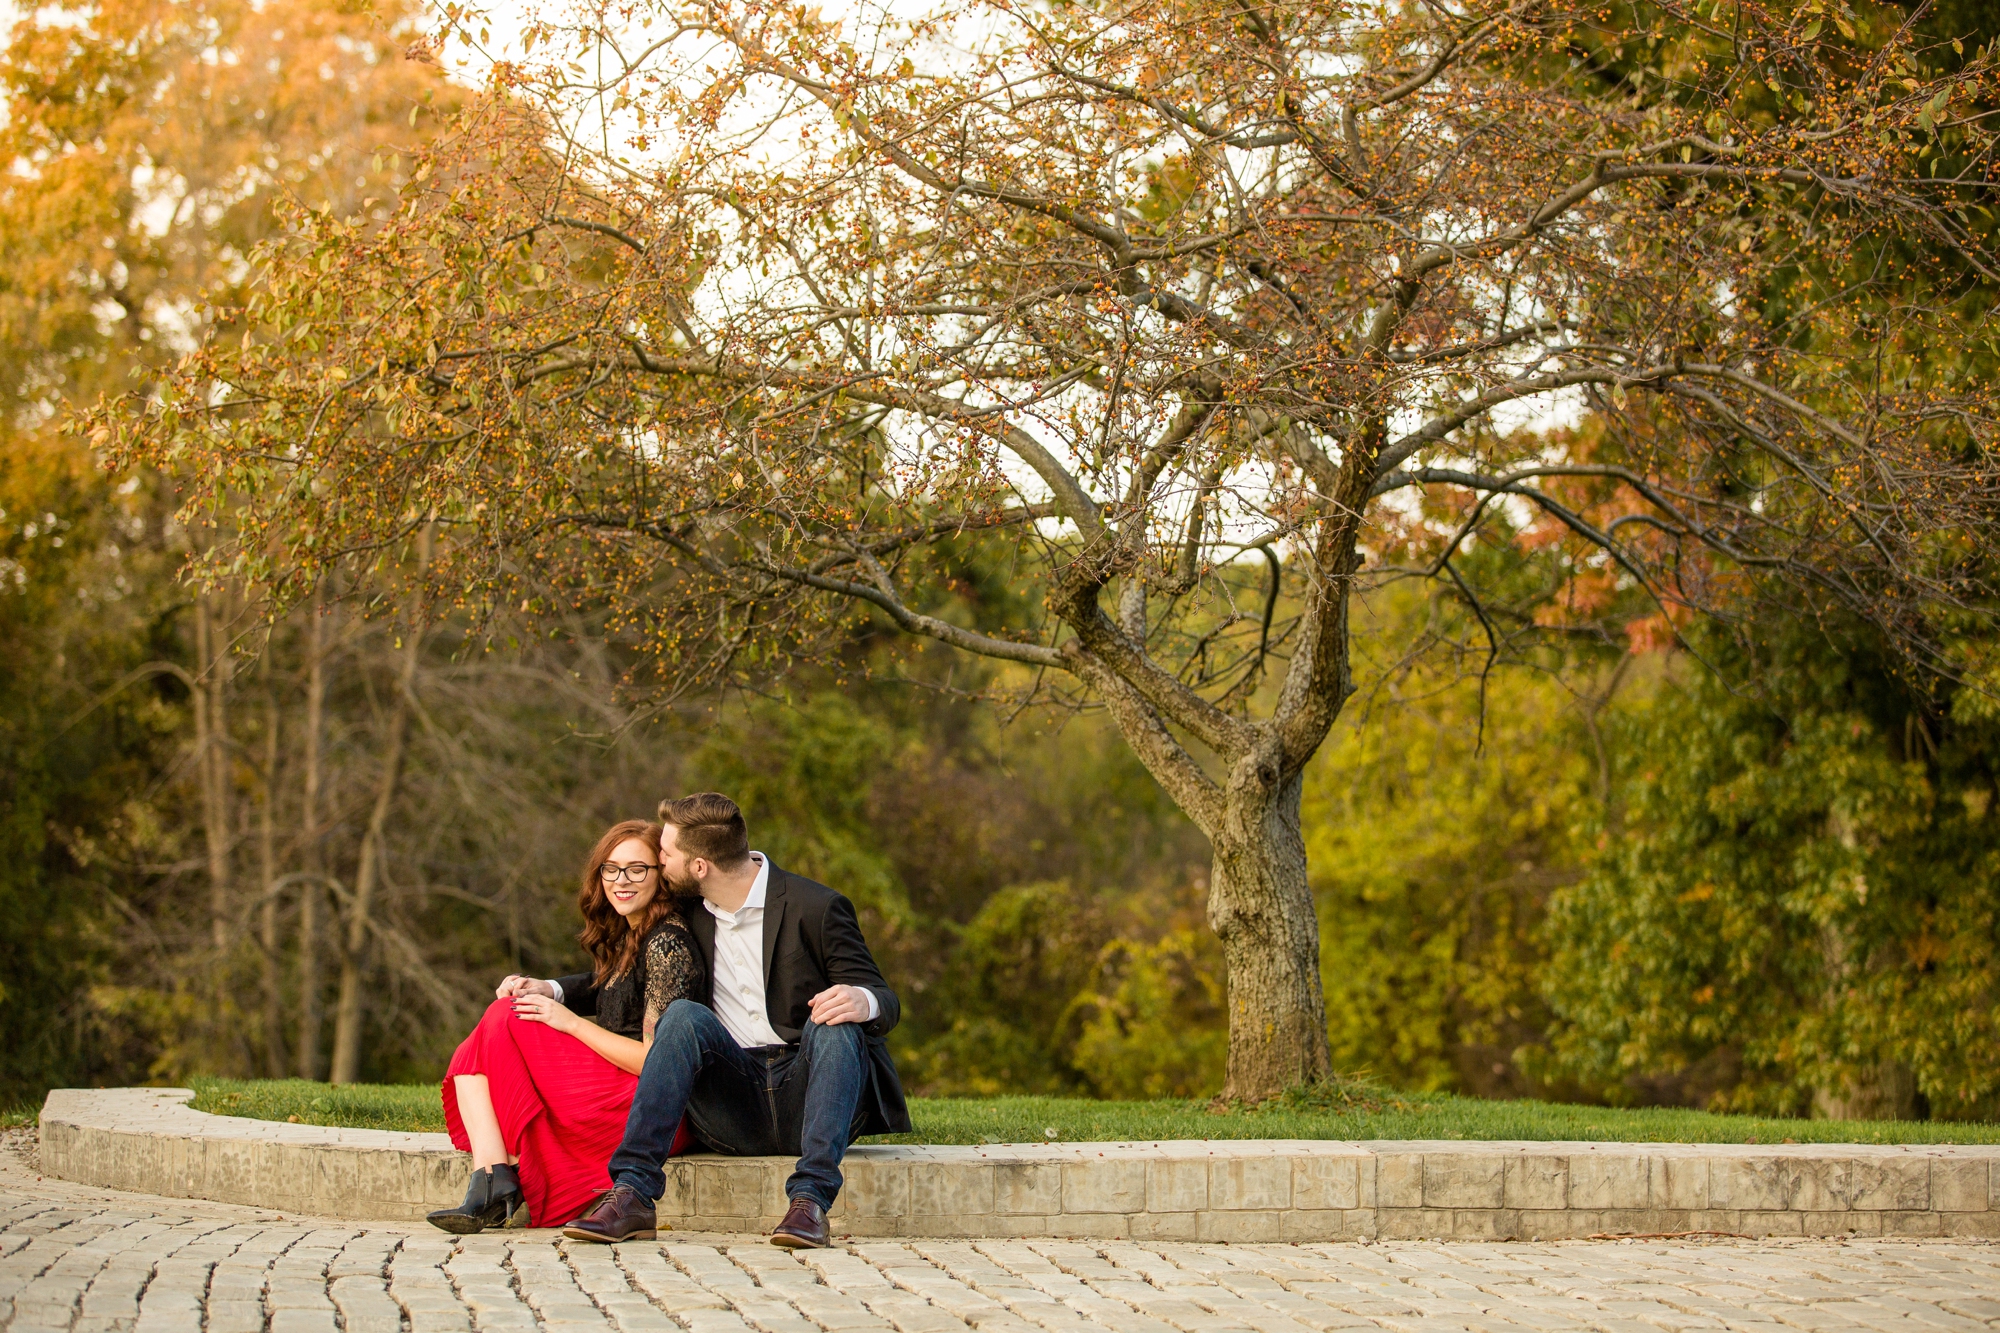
634,873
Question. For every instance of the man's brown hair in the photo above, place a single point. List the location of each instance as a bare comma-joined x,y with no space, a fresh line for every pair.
708,825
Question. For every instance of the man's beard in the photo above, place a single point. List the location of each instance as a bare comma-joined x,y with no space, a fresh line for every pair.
682,887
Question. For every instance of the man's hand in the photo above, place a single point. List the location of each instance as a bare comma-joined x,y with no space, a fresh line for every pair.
512,986
840,1004
544,1009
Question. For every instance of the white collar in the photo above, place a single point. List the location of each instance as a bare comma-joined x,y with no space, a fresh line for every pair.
755,898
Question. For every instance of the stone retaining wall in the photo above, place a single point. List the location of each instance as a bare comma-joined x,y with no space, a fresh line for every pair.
146,1139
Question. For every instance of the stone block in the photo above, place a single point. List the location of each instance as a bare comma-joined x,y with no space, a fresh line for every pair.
875,1189
1312,1224
178,1158
1557,1224
398,1179
129,1156
57,1147
1853,1223
1027,1187
283,1171
1105,1185
941,1189
378,1178
335,1184
119,1158
1637,1221
1089,1226
1925,1223
724,1188
1715,1219
438,1180
1412,1223
81,1160
1399,1180
415,1178
1359,1223
1610,1179
119,1155
1155,1225
677,1198
1176,1186
1536,1180
1320,1183
171,1157
1760,1184
1680,1182
1250,1183
1464,1180
1239,1226
143,1157
1485,1223
1900,1181
229,1173
1961,1185
114,1159
1766,1222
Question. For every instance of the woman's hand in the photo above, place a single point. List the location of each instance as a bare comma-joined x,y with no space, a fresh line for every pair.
544,1009
513,985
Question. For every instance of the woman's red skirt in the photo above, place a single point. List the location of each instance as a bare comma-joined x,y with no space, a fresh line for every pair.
561,1106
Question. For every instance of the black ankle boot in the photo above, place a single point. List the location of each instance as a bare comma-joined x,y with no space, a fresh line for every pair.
491,1200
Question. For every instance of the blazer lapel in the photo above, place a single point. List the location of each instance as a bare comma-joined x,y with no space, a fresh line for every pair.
702,926
775,899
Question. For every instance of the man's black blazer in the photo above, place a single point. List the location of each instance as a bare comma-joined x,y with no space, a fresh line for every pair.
811,941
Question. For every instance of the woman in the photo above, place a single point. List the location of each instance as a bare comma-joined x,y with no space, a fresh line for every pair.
538,1094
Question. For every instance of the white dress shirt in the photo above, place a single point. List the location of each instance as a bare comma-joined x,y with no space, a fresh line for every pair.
737,995
738,989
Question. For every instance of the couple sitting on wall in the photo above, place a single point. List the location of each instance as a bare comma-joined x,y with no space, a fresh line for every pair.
732,1005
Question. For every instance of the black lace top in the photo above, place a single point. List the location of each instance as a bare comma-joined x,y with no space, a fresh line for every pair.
669,969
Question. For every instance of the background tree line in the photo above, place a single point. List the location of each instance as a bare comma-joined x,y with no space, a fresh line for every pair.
1759,873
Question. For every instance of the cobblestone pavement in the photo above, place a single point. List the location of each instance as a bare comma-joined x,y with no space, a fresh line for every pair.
91,1261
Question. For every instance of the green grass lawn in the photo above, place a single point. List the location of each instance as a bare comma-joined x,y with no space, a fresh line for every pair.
1349,1112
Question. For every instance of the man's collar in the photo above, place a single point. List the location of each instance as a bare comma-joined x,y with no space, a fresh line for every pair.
756,895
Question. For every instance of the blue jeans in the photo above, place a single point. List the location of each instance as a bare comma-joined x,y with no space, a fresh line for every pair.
775,1101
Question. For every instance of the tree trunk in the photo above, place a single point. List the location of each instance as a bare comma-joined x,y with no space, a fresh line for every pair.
1885,1091
347,1014
310,890
211,730
348,1011
1259,903
267,847
1261,907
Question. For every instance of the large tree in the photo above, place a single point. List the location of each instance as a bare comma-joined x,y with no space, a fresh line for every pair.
744,323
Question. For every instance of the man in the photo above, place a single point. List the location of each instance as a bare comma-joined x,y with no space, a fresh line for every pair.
787,1057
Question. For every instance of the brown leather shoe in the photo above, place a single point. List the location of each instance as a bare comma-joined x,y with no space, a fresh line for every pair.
804,1227
619,1214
